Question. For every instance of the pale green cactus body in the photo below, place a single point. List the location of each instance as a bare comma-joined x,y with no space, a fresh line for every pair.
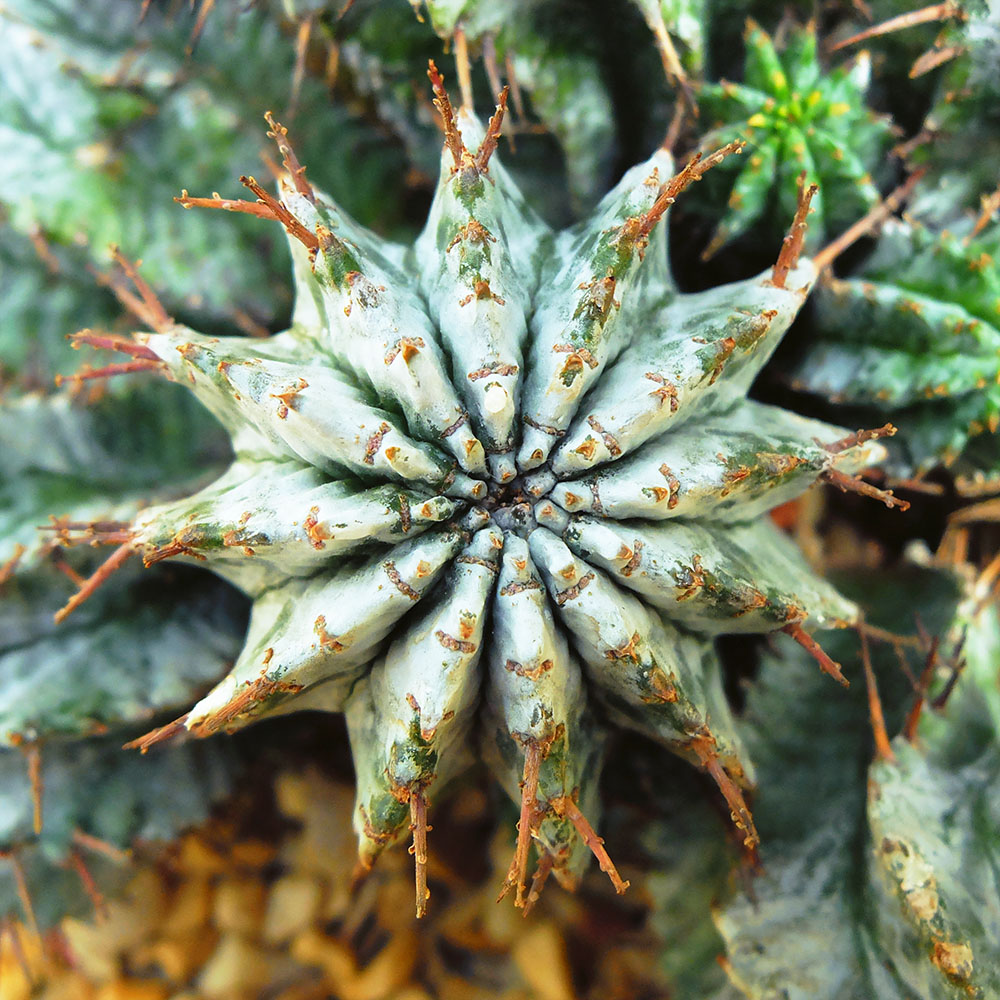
707,579
256,508
743,461
480,282
368,601
659,381
276,409
409,723
537,703
651,674
579,325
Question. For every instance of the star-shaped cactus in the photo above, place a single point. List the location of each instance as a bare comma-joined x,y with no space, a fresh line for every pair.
495,490
796,117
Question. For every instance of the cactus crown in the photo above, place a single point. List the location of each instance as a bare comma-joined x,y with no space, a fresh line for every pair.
505,471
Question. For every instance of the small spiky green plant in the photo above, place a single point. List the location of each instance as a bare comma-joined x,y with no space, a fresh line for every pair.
796,118
505,471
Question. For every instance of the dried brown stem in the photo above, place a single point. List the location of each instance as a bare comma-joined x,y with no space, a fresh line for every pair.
86,373
33,754
811,646
159,735
291,224
675,127
117,558
226,204
44,249
919,486
883,749
986,582
791,245
8,569
859,437
199,25
419,827
705,749
538,880
902,150
672,67
855,484
89,885
146,306
289,160
332,65
957,664
489,144
935,12
515,88
112,342
463,66
923,684
983,512
302,37
491,64
518,871
695,169
565,806
452,136
862,227
250,326
99,846
93,532
988,205
23,893
892,638
933,58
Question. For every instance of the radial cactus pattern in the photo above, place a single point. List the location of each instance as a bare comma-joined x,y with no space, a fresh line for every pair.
495,491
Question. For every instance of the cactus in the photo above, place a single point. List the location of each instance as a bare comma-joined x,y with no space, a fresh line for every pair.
796,119
378,420
498,492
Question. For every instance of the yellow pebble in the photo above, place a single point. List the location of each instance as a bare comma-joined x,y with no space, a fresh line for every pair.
292,906
540,956
133,989
239,905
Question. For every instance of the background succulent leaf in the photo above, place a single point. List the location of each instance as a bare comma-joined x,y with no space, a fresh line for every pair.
97,110
871,913
64,458
148,642
914,338
40,303
93,788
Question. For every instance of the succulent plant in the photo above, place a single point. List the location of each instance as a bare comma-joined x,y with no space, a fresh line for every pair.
389,453
892,858
796,118
914,338
501,492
